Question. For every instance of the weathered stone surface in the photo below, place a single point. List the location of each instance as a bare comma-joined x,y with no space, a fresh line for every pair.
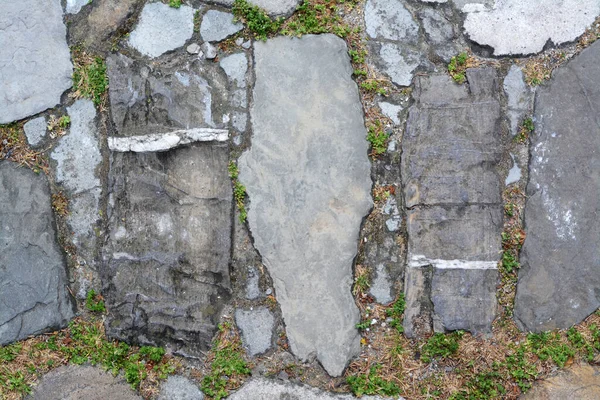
218,25
396,61
391,111
180,388
525,26
257,329
514,174
252,284
74,6
82,382
560,274
35,130
177,95
381,286
450,151
31,33
519,96
77,157
309,138
262,389
165,272
440,33
102,23
162,28
166,141
272,7
236,66
33,281
581,382
389,19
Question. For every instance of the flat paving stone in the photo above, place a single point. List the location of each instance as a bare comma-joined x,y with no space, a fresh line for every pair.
560,273
82,382
218,25
257,329
514,27
180,388
35,130
308,179
581,382
162,28
33,279
165,267
31,33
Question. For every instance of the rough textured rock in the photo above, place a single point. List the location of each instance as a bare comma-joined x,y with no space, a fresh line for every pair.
31,33
176,95
381,286
33,281
77,157
165,272
560,274
519,96
257,329
166,141
252,285
391,111
581,382
309,138
262,389
82,382
162,28
35,130
440,33
180,388
218,25
525,26
451,148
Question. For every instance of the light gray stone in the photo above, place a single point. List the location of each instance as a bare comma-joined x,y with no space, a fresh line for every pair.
166,141
263,389
389,19
82,382
560,273
398,62
391,111
165,268
35,130
247,44
193,48
381,286
437,27
218,25
236,66
162,28
239,121
257,329
519,96
514,174
391,208
515,27
74,6
31,33
210,51
252,286
309,138
180,388
474,5
33,280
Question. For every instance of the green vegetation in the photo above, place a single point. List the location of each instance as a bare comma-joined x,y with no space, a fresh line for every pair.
175,3
228,365
457,67
548,345
94,302
373,85
89,77
316,16
64,121
239,191
372,384
482,386
520,369
441,346
361,281
527,128
509,262
396,312
377,138
257,20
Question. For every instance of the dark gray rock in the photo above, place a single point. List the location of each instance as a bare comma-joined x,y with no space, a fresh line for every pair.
162,98
82,382
165,272
31,34
257,329
162,28
218,25
560,274
309,138
180,388
33,280
35,130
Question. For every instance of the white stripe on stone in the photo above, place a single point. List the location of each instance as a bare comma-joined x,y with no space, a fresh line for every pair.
420,261
166,141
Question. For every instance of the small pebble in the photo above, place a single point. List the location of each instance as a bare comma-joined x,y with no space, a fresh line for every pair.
193,48
239,41
268,291
210,51
246,44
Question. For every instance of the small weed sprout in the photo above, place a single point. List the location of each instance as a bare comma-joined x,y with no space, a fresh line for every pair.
175,3
527,128
377,138
396,312
239,191
457,67
89,77
441,346
94,302
372,384
256,19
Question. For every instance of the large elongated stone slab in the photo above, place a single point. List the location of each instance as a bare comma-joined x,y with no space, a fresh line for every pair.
559,282
32,33
308,178
33,279
166,273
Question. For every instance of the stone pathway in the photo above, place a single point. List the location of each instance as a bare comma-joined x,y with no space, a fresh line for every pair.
226,183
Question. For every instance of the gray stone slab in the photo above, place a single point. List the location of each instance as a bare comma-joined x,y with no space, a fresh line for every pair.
308,178
218,25
519,96
33,280
391,111
389,19
440,33
180,388
82,382
236,66
252,284
263,389
162,28
35,130
165,272
175,95
452,142
381,286
257,329
560,274
31,33
514,27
